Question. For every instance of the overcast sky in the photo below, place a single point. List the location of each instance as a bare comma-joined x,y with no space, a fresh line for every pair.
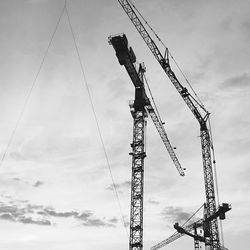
55,186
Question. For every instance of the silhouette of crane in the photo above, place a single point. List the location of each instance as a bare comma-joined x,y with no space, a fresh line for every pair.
191,229
140,108
194,105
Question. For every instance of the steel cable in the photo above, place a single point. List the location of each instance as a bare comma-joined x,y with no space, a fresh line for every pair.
166,48
96,119
31,89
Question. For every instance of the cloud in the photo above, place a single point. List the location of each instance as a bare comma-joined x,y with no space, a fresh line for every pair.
60,214
175,214
240,81
89,220
29,220
85,215
19,211
123,185
113,220
7,217
97,223
38,184
154,202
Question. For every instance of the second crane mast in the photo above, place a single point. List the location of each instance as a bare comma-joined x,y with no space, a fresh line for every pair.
204,132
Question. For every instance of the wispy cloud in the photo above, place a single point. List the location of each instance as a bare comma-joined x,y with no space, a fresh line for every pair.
6,216
29,220
113,220
38,184
97,223
120,186
154,202
22,212
237,82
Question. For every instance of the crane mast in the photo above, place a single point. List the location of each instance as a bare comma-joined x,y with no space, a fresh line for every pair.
140,108
204,132
138,154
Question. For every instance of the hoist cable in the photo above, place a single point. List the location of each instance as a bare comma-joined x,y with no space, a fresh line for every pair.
193,214
86,85
202,107
166,48
31,88
176,233
187,81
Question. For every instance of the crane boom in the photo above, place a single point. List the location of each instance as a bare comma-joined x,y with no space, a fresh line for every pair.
204,132
127,58
165,242
164,137
159,57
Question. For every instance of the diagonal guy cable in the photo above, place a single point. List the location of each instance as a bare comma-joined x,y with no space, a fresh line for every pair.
32,87
96,120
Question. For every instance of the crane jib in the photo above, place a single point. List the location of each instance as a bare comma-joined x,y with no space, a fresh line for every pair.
159,57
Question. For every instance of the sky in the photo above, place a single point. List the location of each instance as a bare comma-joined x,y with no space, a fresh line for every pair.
56,190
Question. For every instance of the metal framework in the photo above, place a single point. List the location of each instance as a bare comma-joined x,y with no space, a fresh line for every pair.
163,134
127,58
178,234
204,132
196,241
138,155
191,229
139,108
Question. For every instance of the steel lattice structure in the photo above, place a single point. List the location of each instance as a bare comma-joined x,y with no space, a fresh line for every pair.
212,226
140,107
138,155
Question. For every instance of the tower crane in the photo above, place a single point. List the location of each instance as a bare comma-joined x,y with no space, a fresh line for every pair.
192,103
179,234
191,230
140,109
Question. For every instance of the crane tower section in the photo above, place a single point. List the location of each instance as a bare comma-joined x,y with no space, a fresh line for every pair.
138,155
127,58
